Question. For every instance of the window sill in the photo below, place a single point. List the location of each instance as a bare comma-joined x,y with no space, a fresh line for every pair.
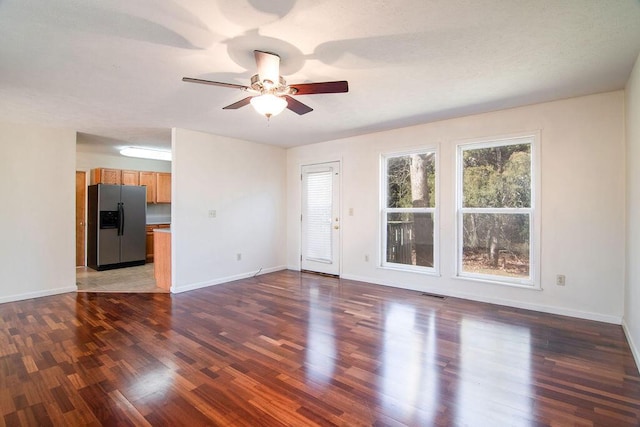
418,270
532,287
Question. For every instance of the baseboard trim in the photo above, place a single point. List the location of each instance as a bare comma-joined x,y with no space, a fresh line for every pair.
218,281
38,294
632,344
562,311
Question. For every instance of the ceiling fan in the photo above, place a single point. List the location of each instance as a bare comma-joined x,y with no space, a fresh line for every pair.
271,93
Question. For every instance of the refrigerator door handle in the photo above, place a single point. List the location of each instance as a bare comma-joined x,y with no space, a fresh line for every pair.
121,217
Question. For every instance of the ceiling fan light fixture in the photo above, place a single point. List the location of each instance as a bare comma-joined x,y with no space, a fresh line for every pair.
268,104
146,153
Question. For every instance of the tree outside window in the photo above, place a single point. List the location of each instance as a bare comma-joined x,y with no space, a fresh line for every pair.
408,211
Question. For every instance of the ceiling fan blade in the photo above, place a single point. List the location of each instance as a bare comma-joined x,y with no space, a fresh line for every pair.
210,82
268,66
297,106
324,87
238,104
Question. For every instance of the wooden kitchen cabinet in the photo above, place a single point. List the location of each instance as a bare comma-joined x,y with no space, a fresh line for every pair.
148,179
106,176
162,266
158,186
163,187
149,239
130,177
158,183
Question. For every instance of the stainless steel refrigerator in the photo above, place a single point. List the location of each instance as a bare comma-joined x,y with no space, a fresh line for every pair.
116,230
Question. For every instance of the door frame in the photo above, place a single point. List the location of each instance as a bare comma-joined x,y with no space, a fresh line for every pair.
339,208
82,220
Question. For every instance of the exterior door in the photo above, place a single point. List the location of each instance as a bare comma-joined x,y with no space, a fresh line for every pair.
321,218
81,203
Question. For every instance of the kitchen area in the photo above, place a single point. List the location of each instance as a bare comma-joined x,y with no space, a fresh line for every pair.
123,223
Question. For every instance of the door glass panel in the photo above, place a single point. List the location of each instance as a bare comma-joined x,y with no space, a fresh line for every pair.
318,210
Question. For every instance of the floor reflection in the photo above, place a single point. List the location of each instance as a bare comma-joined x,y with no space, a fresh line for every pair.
409,383
320,344
495,367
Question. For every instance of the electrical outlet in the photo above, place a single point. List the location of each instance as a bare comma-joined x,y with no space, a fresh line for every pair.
212,213
561,280
350,211
366,258
238,257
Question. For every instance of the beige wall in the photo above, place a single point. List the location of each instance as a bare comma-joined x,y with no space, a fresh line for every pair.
582,203
244,183
37,184
632,289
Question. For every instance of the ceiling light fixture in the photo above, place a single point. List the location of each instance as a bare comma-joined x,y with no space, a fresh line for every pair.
268,104
146,153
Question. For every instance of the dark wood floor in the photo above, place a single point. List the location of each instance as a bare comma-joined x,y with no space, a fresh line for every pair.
296,349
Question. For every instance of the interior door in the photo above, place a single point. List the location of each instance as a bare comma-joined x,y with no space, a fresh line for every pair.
320,218
81,198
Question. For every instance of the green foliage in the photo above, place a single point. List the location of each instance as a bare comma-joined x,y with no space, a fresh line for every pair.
497,177
399,194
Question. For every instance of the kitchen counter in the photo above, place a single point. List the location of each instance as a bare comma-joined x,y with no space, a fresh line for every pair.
162,257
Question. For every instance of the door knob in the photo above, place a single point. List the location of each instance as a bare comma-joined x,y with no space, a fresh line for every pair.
336,227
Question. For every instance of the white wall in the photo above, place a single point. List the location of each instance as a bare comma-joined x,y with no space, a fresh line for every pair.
632,289
245,184
37,184
88,158
582,206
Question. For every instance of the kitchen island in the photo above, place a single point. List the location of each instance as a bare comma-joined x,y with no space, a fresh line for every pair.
162,257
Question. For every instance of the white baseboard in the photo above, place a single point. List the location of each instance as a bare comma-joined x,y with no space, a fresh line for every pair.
220,280
38,294
563,311
632,344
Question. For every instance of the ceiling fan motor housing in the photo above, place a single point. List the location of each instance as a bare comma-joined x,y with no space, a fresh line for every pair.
267,86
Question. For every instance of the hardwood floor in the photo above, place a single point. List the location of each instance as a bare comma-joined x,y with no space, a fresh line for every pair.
291,348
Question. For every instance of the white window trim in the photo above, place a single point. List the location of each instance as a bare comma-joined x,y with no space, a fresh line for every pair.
382,227
533,282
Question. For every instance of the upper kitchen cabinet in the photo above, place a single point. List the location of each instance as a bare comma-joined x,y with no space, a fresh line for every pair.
163,187
114,177
130,177
158,186
149,180
158,183
106,176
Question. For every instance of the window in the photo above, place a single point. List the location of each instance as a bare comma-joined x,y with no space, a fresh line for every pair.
409,211
497,225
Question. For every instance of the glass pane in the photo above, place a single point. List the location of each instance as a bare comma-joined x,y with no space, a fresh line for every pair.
497,177
318,216
496,244
411,181
410,239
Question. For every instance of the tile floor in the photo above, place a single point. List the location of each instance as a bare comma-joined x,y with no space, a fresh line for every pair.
130,279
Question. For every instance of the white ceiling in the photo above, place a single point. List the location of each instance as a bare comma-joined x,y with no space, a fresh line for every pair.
112,69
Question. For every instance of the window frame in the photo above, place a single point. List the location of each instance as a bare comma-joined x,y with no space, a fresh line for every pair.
533,281
384,210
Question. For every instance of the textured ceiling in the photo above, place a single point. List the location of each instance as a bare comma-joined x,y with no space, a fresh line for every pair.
112,69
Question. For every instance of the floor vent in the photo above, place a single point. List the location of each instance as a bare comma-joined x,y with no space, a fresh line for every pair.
426,294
